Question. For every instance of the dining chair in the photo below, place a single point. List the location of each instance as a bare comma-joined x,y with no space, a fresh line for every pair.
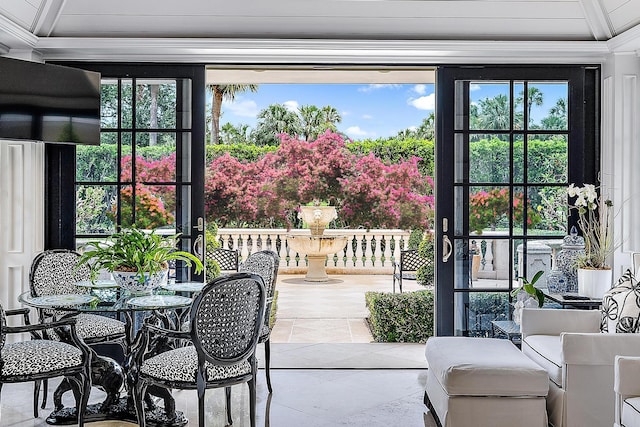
55,272
39,359
265,264
226,318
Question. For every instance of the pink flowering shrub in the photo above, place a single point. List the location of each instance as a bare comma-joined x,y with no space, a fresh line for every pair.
366,191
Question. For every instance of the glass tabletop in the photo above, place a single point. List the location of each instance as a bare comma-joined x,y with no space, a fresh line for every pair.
184,286
121,302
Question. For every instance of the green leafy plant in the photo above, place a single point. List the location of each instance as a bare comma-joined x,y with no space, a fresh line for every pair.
135,250
406,317
529,288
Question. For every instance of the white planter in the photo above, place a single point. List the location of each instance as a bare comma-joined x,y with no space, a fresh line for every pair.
594,283
130,281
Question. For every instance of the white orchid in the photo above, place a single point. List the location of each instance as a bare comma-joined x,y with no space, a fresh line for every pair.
595,225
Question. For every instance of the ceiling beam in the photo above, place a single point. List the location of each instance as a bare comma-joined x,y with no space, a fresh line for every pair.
48,15
597,20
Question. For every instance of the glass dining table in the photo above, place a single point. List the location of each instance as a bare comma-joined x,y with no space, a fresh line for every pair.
168,306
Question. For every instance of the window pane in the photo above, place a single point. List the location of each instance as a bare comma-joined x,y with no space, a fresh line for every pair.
156,104
475,311
156,163
96,163
518,158
127,104
95,209
490,106
488,209
490,261
154,206
551,208
126,163
489,159
547,103
536,256
547,158
109,104
518,106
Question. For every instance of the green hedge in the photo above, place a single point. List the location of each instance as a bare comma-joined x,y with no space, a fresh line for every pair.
406,317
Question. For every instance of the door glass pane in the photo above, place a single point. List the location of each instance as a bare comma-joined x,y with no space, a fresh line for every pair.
96,163
126,163
475,311
157,162
518,158
462,263
488,209
489,106
518,106
550,205
489,158
547,103
109,104
460,101
460,165
95,205
547,158
531,258
156,104
127,103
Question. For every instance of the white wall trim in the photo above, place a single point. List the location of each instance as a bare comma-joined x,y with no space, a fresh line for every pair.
297,51
14,36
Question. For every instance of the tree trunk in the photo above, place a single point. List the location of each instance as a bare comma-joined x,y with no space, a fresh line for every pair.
215,115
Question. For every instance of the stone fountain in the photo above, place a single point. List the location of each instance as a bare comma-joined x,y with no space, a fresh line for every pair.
317,246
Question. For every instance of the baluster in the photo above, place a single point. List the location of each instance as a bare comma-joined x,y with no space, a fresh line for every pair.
368,250
350,254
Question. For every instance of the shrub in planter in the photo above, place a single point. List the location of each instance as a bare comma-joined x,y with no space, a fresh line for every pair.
406,317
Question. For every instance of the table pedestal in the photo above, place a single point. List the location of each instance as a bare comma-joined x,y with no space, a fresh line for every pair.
122,410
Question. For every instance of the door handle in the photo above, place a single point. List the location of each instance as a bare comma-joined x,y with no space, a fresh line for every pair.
447,248
198,246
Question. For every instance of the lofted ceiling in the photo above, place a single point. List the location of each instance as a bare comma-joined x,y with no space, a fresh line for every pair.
54,28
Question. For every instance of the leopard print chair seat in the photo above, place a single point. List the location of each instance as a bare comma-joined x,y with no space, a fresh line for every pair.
226,318
265,264
40,359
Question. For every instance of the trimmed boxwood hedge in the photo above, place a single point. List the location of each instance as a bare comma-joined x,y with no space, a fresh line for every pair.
406,317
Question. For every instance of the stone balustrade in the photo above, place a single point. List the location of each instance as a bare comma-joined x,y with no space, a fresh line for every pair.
367,251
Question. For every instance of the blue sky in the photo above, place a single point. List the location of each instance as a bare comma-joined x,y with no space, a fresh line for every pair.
367,110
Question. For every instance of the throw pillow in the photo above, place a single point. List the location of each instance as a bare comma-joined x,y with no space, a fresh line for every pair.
621,306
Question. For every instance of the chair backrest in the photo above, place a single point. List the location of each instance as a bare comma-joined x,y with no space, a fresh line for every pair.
227,259
410,260
55,272
226,318
265,264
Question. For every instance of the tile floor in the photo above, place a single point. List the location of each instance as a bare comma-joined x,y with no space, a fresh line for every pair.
326,371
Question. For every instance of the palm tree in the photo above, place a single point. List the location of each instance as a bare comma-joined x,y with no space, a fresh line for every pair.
494,112
534,97
274,120
220,93
310,121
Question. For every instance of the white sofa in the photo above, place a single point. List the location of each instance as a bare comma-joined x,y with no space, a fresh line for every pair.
580,362
627,389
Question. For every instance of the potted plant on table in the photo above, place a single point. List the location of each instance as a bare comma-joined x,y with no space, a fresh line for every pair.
138,259
594,273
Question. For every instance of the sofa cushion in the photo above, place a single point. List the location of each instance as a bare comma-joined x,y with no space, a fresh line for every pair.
631,412
484,367
546,351
621,306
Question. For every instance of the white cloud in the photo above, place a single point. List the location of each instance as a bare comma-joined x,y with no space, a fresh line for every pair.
377,86
424,102
367,116
242,108
345,113
413,128
420,89
355,131
291,105
474,87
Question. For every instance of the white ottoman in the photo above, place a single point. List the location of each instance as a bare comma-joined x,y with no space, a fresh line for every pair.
484,382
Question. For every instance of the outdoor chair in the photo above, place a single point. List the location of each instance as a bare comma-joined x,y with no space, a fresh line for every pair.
40,359
407,268
226,319
55,272
227,259
265,264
